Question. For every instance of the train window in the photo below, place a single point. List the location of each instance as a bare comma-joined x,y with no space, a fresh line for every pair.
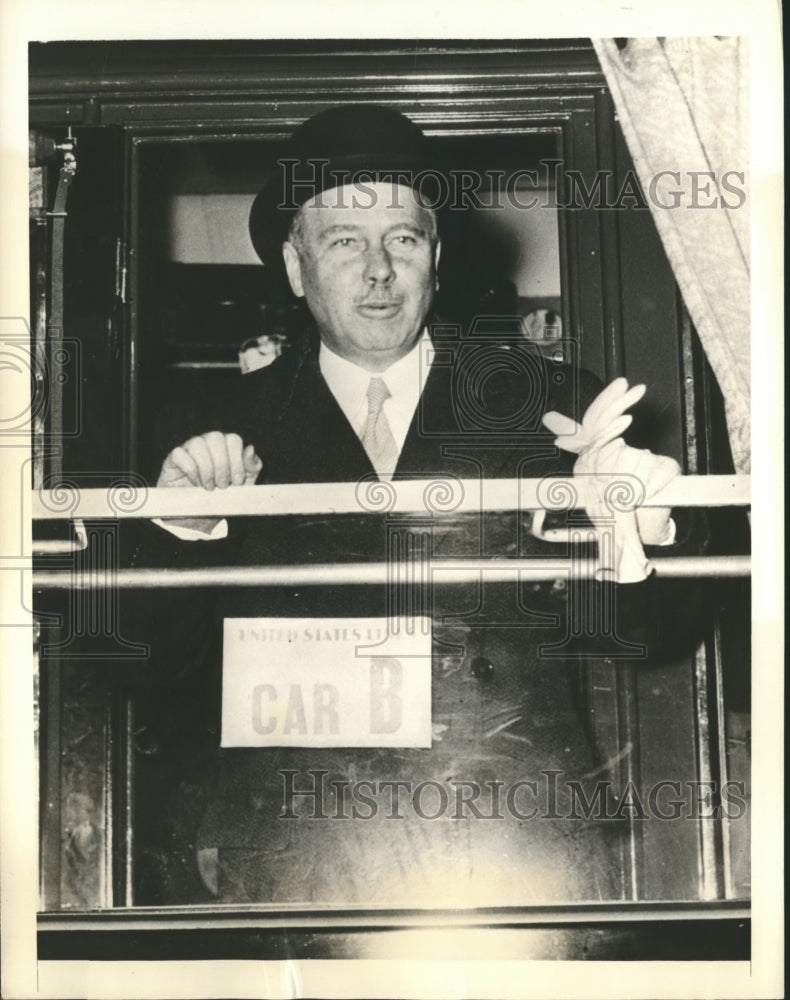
373,699
207,308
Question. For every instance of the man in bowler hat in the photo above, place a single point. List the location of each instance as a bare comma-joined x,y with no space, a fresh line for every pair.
377,389
347,210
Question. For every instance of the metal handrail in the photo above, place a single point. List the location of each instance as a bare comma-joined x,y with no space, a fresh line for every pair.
455,571
63,546
439,495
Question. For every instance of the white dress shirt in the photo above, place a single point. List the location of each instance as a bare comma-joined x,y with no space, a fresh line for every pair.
405,380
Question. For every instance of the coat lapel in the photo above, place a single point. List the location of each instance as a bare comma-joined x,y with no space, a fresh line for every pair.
302,433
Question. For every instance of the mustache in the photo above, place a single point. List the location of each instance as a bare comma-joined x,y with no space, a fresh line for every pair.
378,299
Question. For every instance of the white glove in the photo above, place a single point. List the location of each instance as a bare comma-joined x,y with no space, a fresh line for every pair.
602,454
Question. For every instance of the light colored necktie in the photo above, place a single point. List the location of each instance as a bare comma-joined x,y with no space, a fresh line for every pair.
376,436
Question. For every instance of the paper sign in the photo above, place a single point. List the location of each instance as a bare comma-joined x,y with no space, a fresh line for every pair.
326,682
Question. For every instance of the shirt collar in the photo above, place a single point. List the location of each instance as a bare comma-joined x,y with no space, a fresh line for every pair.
405,380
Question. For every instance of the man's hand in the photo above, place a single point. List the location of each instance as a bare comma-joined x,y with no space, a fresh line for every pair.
209,460
604,420
603,453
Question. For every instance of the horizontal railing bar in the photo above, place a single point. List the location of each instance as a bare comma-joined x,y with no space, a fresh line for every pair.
56,547
445,571
63,546
433,496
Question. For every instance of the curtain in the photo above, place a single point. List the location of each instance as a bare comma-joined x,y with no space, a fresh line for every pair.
683,106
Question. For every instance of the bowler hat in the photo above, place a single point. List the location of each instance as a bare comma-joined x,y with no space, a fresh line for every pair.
361,142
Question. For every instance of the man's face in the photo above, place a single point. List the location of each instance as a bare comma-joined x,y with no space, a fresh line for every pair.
365,262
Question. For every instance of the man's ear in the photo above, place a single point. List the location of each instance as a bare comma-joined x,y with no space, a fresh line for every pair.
436,255
293,269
